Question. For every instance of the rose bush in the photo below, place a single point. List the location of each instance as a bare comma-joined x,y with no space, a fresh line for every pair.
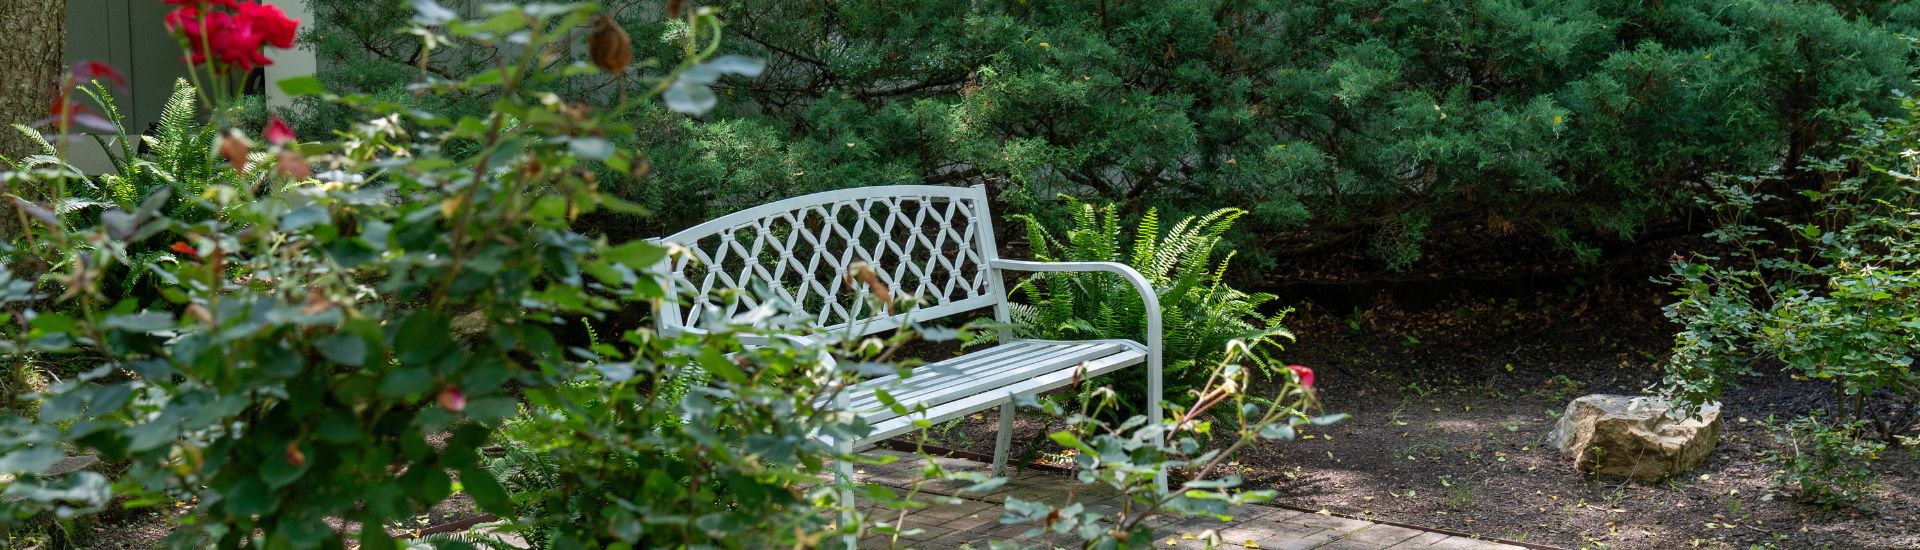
325,336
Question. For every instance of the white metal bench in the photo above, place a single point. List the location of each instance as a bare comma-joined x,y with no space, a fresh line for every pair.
933,243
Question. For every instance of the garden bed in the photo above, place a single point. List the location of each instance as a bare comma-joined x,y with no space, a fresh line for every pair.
1452,403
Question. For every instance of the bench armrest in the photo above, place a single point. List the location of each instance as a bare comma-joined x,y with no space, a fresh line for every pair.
1148,296
1140,284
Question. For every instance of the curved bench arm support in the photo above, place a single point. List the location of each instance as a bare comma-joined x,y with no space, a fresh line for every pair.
1148,296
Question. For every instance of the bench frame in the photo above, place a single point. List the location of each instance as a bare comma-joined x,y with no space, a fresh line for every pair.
952,226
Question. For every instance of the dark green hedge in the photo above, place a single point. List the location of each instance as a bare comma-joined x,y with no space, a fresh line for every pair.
1337,123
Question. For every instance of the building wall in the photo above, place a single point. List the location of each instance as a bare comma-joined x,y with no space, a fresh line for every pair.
129,35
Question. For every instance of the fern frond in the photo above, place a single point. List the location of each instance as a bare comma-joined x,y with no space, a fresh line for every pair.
37,139
1144,238
111,110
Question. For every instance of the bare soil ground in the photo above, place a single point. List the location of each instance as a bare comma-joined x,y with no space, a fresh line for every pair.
1452,400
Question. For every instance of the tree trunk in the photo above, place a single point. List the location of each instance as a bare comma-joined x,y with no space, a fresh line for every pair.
36,40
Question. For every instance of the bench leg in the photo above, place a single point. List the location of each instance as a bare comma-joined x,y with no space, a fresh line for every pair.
1003,440
843,476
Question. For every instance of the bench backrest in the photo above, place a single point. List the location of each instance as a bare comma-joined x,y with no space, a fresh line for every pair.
930,243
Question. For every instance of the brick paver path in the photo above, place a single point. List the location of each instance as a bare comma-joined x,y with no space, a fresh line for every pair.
976,519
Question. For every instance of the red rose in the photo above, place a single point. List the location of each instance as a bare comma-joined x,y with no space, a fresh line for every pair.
233,38
269,22
277,132
1305,374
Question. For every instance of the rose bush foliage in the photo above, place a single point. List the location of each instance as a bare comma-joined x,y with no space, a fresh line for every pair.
339,347
296,344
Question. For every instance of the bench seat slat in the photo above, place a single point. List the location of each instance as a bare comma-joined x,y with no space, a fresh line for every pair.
961,377
929,382
955,363
989,399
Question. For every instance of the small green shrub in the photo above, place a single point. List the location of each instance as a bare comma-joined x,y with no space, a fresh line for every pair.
1833,294
1828,463
1200,313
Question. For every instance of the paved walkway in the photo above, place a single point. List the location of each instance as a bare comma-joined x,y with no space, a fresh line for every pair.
976,519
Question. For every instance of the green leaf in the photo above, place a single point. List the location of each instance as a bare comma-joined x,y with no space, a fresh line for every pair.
1278,431
637,254
591,148
1327,419
33,460
278,471
374,537
343,348
249,497
302,218
337,426
486,491
302,86
422,337
492,410
1068,440
717,363
145,321
406,381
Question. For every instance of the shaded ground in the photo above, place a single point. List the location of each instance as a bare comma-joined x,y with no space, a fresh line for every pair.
973,518
1452,401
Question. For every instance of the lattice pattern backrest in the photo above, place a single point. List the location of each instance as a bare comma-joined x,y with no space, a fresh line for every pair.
928,243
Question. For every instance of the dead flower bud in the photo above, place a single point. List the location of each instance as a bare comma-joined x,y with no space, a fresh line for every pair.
295,456
235,147
641,167
199,313
609,46
863,273
293,165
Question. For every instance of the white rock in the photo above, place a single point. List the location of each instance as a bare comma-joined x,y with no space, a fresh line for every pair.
1633,436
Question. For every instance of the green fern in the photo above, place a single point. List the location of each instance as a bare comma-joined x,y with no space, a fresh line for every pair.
1200,312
